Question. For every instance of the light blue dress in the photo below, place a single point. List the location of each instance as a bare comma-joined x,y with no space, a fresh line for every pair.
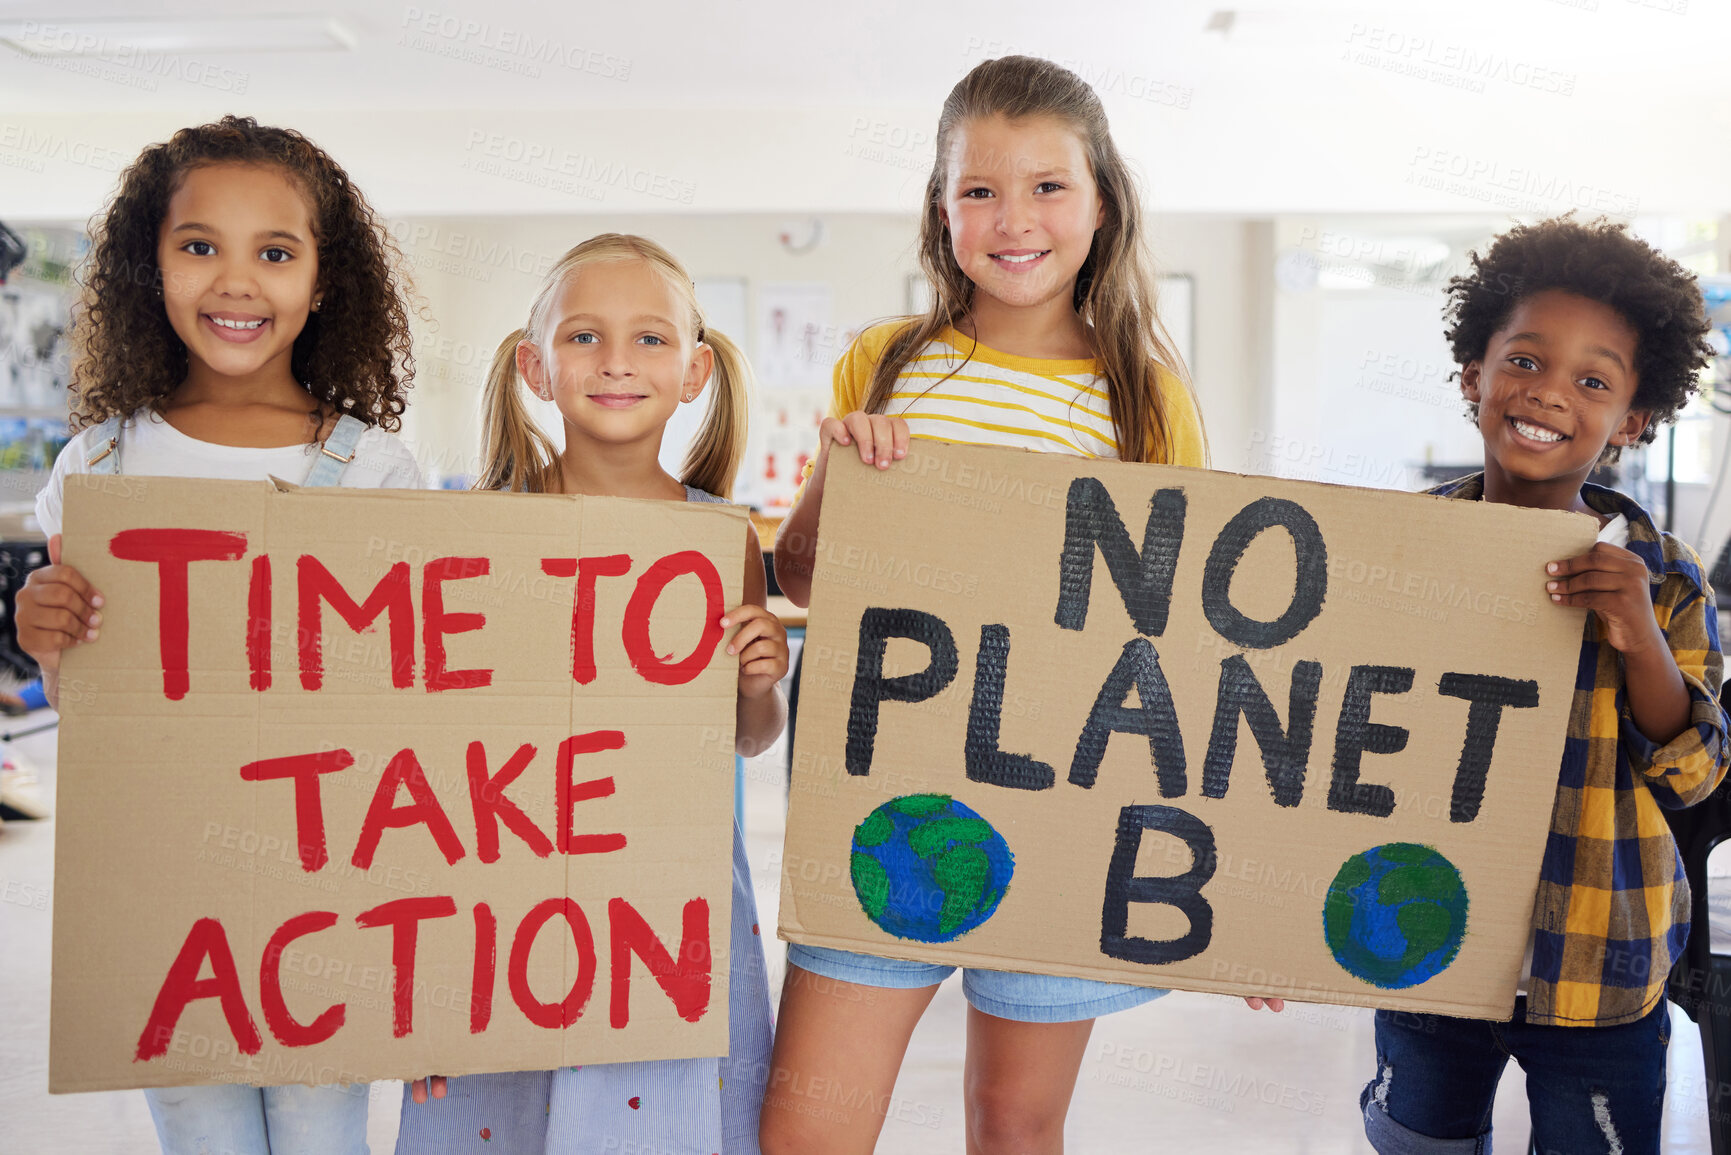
667,1107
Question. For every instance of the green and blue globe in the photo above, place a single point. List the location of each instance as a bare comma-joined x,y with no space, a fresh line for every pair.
927,868
1396,914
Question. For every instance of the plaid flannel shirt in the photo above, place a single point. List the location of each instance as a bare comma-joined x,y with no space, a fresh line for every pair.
1613,910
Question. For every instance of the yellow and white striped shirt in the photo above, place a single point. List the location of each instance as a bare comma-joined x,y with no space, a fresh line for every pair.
957,390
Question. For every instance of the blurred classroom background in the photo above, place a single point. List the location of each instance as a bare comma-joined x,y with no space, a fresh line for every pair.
1314,174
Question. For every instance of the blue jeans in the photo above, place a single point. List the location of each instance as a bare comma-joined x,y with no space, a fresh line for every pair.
230,1119
1589,1089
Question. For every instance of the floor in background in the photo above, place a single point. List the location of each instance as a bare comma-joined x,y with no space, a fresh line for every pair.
1187,1072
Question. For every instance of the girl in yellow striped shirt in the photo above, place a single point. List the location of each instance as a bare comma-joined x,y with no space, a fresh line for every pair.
1042,335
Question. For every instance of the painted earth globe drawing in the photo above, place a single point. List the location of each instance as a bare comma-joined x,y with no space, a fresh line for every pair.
1396,914
927,868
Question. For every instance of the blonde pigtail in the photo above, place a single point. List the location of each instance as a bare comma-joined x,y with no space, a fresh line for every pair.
713,459
516,455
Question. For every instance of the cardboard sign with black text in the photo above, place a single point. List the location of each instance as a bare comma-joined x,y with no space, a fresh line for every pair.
380,784
1179,728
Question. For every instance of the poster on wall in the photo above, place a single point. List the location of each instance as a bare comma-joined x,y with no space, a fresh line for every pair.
795,341
798,343
1179,728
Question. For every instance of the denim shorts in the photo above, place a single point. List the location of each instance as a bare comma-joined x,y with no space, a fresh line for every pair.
1021,998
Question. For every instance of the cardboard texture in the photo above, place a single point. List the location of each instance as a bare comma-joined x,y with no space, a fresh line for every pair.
1095,664
452,918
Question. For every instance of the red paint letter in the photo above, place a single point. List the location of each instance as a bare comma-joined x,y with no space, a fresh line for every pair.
392,594
172,550
436,623
258,623
486,960
309,813
569,793
276,1013
404,917
583,604
487,796
384,814
685,982
561,1014
182,986
637,647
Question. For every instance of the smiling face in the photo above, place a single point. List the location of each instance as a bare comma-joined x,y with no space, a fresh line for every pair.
1554,389
240,270
619,355
1021,206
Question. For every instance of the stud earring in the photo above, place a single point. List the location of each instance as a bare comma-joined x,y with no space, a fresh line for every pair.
317,302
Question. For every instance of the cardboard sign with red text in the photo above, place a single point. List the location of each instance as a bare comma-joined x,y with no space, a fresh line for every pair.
380,784
1179,728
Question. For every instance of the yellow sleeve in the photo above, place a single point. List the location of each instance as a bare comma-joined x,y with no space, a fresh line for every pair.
853,374
1183,422
1686,769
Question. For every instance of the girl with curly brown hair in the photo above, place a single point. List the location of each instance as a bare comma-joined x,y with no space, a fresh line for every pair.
239,320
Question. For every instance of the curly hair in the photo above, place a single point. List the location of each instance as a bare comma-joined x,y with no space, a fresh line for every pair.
1601,262
354,353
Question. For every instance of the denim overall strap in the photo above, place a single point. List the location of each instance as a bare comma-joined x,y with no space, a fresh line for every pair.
336,453
105,448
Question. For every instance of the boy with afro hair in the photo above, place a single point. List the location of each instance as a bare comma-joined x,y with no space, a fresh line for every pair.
1574,341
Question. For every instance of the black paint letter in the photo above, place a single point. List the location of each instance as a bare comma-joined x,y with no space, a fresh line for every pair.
870,687
1308,590
1285,753
1489,696
1144,579
987,763
1138,668
1183,891
1357,734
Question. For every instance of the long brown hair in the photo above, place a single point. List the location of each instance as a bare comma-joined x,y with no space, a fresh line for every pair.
518,456
1115,287
354,353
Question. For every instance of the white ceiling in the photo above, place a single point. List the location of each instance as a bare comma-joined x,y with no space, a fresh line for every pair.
770,105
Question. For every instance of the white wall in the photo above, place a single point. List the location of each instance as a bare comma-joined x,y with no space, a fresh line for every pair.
1362,390
1227,258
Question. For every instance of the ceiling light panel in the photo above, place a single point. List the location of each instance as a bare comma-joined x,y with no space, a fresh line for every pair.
50,37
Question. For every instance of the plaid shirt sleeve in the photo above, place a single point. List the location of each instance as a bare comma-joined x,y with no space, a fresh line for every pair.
1686,769
1612,911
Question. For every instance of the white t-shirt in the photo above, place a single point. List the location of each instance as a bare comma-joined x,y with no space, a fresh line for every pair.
151,447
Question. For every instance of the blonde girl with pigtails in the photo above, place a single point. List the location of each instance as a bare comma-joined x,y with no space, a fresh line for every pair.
616,339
